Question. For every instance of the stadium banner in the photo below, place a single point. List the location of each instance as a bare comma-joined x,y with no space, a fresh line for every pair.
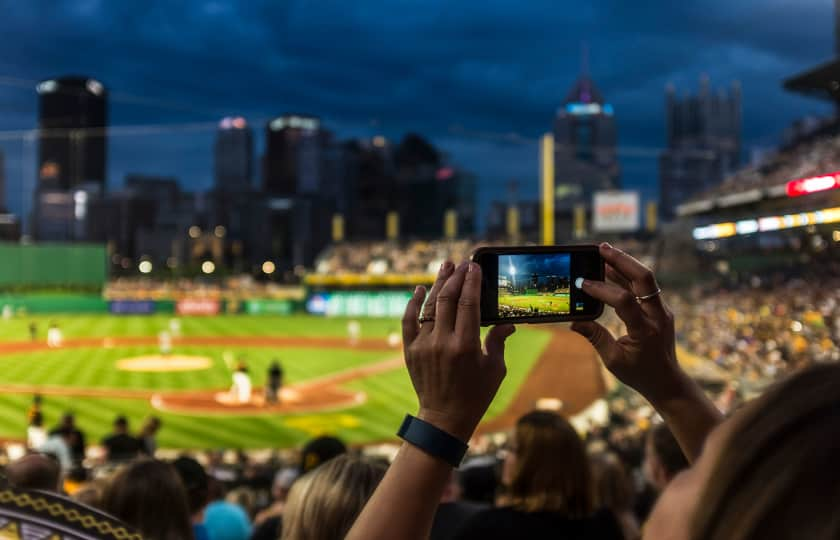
358,304
198,306
269,307
615,211
132,307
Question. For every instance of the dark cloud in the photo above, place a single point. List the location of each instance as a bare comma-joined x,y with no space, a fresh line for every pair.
465,73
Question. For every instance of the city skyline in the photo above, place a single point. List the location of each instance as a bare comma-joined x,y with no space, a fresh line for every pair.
483,72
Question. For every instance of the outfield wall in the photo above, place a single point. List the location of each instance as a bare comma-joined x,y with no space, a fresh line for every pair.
53,265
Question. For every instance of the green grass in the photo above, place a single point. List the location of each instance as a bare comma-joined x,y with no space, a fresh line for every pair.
389,394
544,303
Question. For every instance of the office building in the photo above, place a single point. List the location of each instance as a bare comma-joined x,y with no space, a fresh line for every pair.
233,156
585,155
293,155
703,135
72,143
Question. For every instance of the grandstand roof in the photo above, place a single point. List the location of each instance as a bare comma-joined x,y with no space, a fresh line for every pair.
821,82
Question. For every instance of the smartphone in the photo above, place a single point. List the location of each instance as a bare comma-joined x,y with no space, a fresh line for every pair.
536,284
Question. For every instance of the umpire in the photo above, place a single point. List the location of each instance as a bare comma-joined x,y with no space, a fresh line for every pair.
275,382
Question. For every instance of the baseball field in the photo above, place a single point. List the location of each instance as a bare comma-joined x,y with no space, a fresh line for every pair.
544,303
109,365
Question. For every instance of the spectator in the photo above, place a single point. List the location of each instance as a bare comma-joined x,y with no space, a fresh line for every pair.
58,446
453,511
194,479
148,436
548,485
76,438
120,446
663,457
34,471
324,503
320,450
36,435
224,520
149,495
269,522
614,491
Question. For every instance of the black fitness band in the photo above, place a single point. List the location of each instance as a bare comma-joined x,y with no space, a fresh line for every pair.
432,440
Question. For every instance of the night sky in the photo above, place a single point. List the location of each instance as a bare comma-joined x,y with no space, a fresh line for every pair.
542,265
481,79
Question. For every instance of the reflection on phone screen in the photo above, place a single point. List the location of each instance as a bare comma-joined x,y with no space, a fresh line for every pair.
534,285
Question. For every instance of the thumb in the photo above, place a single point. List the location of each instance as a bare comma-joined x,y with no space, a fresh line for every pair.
494,342
598,336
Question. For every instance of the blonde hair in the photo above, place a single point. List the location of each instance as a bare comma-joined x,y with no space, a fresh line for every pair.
324,503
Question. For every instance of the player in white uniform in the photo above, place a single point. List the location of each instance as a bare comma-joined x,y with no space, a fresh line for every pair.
54,336
175,327
240,390
165,343
354,331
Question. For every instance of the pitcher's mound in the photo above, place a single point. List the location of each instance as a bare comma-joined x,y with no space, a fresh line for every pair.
161,363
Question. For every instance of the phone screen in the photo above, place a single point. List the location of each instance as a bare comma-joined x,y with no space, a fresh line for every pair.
537,284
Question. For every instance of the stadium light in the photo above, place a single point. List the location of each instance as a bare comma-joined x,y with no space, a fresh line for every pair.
220,231
512,270
145,267
814,184
194,231
208,267
268,267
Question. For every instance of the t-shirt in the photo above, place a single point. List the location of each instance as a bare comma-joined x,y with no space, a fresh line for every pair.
270,529
121,447
506,523
451,516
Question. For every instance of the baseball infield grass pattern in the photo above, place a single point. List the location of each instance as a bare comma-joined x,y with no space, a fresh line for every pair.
389,394
545,303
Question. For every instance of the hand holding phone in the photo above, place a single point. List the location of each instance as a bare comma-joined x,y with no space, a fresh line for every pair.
530,284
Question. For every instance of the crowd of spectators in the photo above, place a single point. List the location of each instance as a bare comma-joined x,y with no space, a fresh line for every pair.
814,153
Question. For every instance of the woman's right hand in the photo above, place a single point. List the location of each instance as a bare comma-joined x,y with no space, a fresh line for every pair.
644,359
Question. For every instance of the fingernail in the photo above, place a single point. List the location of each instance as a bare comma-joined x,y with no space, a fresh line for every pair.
463,265
444,268
417,289
472,266
606,245
579,283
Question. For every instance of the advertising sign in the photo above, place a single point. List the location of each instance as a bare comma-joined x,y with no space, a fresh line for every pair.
358,304
197,306
132,307
268,307
615,211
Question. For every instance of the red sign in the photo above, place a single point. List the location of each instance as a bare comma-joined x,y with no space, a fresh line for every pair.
814,184
197,306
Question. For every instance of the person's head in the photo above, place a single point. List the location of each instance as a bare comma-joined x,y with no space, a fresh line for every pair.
324,503
663,457
37,419
34,471
151,426
613,488
68,421
194,479
283,482
149,495
320,450
546,468
768,472
121,424
244,498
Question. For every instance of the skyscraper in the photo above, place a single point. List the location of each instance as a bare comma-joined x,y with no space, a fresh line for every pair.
71,133
586,160
233,156
704,143
293,154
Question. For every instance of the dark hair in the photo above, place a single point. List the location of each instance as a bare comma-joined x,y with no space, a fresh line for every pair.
552,471
194,479
149,495
776,475
121,421
34,471
667,449
613,486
